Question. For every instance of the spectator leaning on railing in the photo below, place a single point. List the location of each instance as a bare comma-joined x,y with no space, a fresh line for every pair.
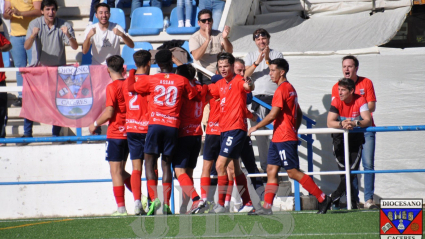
20,13
48,34
4,46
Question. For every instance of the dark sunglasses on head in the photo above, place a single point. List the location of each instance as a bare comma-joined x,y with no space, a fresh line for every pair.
262,34
205,20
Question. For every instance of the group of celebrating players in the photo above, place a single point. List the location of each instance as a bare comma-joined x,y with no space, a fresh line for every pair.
161,114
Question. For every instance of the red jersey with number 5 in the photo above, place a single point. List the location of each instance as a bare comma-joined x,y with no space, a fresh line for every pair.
191,114
166,91
232,103
285,124
137,116
115,98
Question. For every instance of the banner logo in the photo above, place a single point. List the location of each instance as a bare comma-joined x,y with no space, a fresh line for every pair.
74,94
401,217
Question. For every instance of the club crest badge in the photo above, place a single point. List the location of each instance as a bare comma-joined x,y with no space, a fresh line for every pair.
74,94
401,217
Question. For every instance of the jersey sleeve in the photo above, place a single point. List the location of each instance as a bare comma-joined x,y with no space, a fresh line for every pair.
335,91
370,90
190,90
334,106
363,104
111,96
3,40
141,86
278,98
213,90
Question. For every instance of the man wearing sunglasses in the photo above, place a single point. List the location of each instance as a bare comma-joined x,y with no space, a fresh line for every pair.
206,43
258,69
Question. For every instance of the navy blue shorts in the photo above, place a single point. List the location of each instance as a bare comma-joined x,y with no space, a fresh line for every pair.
211,147
284,154
187,152
161,139
136,145
232,143
116,150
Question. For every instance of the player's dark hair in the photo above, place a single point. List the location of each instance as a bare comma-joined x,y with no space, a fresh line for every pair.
226,56
347,83
142,58
102,5
351,57
240,61
186,70
204,11
281,64
115,63
260,32
46,3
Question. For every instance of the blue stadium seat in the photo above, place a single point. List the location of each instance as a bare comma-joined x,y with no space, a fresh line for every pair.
86,59
173,29
146,21
117,16
127,53
186,47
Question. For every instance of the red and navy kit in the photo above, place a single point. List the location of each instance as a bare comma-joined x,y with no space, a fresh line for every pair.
283,149
364,87
116,137
137,116
212,137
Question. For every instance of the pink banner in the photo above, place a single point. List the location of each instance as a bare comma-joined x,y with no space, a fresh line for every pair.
66,96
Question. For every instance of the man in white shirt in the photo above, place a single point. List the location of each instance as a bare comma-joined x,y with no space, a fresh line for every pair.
104,36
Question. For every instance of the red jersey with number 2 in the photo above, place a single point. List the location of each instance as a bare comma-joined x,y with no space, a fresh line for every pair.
232,103
115,98
285,124
191,114
166,91
137,116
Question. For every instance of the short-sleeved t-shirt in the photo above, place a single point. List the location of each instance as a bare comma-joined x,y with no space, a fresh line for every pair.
263,83
191,114
349,111
232,103
50,44
209,59
137,114
364,87
115,98
3,41
104,43
166,91
19,24
285,124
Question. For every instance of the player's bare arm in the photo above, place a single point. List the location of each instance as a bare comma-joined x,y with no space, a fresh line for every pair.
28,42
9,11
267,120
87,43
104,117
333,121
372,106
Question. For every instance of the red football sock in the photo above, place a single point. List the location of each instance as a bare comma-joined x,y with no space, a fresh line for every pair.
270,192
222,182
312,188
187,185
205,185
243,189
229,191
119,195
166,189
136,184
156,173
152,189
127,183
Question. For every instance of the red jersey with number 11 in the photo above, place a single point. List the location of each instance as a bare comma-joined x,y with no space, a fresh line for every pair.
166,91
137,116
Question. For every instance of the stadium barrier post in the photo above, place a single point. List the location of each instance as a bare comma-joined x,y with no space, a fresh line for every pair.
347,170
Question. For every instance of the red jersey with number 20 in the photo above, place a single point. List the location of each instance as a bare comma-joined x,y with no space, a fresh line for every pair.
137,116
232,103
166,91
191,114
115,98
285,124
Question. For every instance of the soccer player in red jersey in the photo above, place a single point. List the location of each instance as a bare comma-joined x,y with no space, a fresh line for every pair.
116,137
166,90
231,90
189,142
137,121
347,111
286,116
364,87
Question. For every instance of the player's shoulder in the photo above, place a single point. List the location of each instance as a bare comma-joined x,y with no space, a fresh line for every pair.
359,99
364,81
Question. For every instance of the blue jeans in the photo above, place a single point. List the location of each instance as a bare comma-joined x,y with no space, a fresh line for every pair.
20,56
28,128
368,161
134,4
184,4
156,3
216,7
